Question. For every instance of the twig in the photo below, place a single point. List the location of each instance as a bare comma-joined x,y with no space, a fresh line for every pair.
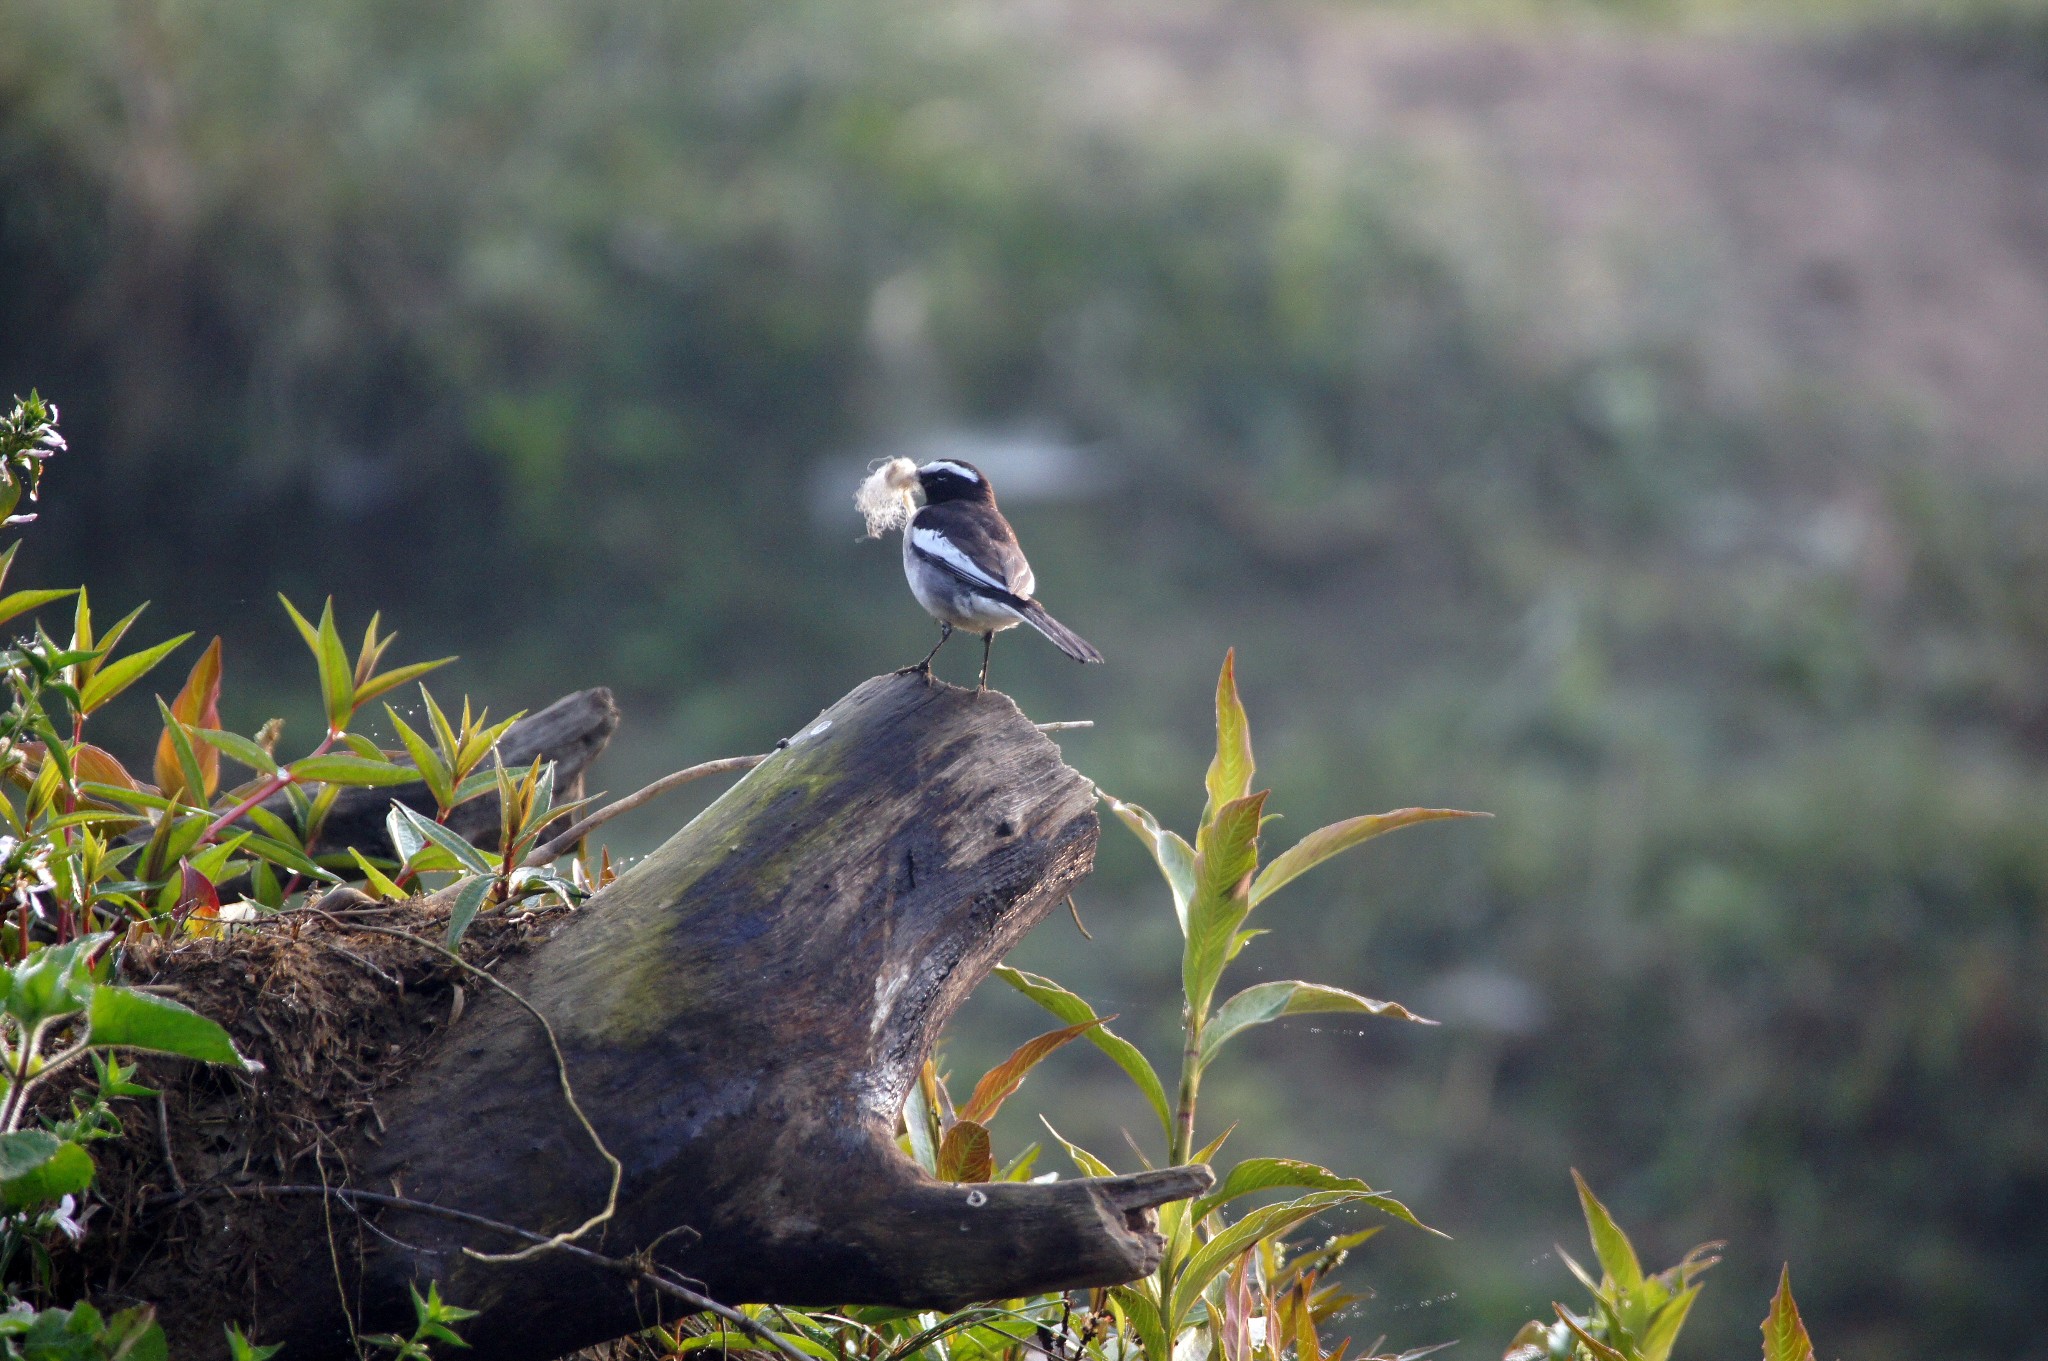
554,849
356,958
624,1266
1077,918
1065,727
163,1134
611,1200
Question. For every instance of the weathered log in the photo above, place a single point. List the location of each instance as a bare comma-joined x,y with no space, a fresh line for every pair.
742,1015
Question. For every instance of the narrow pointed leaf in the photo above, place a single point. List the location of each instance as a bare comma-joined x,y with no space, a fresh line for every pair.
21,602
1225,856
378,686
1083,1159
1617,1255
239,747
1263,1002
1325,842
1213,1256
1266,1174
1785,1336
1006,1077
1122,1052
1230,772
114,677
446,838
336,681
335,768
197,706
468,900
380,883
432,768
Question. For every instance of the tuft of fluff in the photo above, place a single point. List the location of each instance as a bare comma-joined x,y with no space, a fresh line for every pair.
887,500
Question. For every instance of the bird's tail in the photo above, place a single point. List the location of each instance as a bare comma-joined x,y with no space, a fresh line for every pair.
1064,638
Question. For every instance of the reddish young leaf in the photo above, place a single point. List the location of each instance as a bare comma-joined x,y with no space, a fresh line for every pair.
197,706
197,897
1007,1076
964,1153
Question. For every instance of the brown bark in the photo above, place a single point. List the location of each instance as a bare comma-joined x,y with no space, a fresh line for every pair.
742,1014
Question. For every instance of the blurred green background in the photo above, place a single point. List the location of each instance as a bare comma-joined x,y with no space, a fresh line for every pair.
1625,417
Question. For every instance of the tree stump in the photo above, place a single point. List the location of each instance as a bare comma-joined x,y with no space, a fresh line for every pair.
742,1015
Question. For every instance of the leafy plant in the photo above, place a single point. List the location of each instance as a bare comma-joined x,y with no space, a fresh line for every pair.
1214,884
1635,1315
81,1333
434,1322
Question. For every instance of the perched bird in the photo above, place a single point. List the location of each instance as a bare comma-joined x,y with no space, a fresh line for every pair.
960,555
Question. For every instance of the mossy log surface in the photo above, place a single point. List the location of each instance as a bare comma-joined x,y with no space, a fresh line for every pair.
743,1013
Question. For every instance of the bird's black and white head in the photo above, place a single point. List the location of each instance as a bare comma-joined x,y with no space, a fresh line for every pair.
948,479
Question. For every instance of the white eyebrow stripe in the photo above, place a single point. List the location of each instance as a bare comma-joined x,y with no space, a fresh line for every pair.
933,544
945,465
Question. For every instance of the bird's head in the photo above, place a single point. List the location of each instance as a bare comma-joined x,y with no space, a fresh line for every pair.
948,479
889,496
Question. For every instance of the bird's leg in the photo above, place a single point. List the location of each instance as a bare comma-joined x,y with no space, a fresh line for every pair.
924,668
988,640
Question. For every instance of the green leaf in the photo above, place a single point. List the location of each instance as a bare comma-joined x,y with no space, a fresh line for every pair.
1230,773
397,676
1210,1259
25,1150
1083,1159
67,1171
335,768
446,838
1617,1255
114,677
139,1020
1142,1313
52,982
1263,1002
1006,1077
1226,854
1662,1333
379,882
1266,1174
240,1348
239,748
468,899
21,602
1170,851
1785,1336
1073,1010
432,768
918,1123
1325,842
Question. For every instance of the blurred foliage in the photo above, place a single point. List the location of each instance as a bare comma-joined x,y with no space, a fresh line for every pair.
539,318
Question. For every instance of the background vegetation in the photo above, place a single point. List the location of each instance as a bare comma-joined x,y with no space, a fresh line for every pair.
560,332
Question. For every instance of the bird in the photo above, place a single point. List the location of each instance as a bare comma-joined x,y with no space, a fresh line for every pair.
961,556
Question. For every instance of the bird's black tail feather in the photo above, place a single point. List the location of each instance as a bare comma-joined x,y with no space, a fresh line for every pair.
1064,638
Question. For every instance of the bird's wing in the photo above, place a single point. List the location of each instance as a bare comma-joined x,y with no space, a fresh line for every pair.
975,544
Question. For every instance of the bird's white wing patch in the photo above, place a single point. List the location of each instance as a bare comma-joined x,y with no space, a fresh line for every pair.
936,545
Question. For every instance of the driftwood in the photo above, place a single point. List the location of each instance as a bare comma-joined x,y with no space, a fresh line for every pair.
741,1016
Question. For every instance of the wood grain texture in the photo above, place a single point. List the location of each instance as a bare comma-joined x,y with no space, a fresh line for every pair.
743,1013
